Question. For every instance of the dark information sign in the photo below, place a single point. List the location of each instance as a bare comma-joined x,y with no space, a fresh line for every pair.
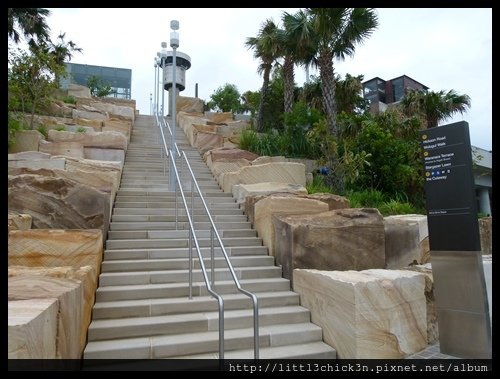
449,188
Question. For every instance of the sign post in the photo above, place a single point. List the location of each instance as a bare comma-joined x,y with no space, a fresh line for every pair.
460,288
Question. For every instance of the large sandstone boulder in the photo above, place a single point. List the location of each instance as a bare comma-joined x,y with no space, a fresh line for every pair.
402,244
19,221
285,172
251,200
97,153
223,166
77,90
104,140
486,234
345,239
372,314
85,274
102,181
95,124
224,153
112,110
58,203
56,248
32,328
267,159
68,148
421,220
89,115
333,201
28,155
117,125
26,140
35,164
432,322
189,104
113,168
242,191
219,117
274,205
69,294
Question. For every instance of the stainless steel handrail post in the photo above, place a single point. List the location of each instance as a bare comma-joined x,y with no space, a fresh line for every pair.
190,264
255,301
219,298
212,255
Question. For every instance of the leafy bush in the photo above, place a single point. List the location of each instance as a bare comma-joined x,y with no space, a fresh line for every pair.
60,128
14,123
81,129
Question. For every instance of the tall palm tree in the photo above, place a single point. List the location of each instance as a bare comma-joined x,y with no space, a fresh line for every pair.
336,32
434,106
266,48
296,48
28,22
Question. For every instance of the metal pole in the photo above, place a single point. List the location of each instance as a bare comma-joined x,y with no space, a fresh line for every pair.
151,104
162,86
157,85
212,255
190,263
196,90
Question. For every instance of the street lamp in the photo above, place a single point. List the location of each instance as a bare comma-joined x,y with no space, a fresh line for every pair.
163,57
174,42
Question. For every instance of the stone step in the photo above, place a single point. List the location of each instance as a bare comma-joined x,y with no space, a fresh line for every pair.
121,265
180,218
312,350
162,225
173,253
178,242
167,346
193,322
181,211
130,195
166,306
156,276
151,234
154,291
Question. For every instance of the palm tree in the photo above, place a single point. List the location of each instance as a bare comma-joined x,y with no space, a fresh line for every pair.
63,50
335,33
266,48
348,93
296,48
434,106
29,22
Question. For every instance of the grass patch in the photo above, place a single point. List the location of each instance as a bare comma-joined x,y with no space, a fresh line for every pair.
42,129
60,128
81,129
69,100
318,185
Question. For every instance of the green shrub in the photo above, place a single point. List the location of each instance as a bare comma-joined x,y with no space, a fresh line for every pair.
14,123
366,198
249,140
81,129
60,128
42,129
318,185
394,207
69,100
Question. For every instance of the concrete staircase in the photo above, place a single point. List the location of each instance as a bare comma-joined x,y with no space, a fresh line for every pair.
142,308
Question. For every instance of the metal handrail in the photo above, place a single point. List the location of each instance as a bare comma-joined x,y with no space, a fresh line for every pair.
192,236
213,229
213,232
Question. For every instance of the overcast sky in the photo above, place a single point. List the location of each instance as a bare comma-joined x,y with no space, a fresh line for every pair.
443,48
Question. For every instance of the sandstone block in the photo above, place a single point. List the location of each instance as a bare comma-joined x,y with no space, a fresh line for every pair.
333,201
96,153
94,124
372,314
223,166
77,90
35,164
32,328
28,155
56,248
58,203
104,140
90,115
273,205
266,159
242,191
402,245
189,104
69,294
19,221
224,153
345,239
71,149
26,140
285,172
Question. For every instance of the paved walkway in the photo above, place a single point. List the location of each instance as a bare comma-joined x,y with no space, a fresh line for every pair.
431,352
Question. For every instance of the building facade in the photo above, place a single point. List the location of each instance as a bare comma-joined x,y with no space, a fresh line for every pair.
120,79
382,93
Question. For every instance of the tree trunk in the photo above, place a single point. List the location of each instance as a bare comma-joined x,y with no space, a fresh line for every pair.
32,115
325,62
263,99
289,79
